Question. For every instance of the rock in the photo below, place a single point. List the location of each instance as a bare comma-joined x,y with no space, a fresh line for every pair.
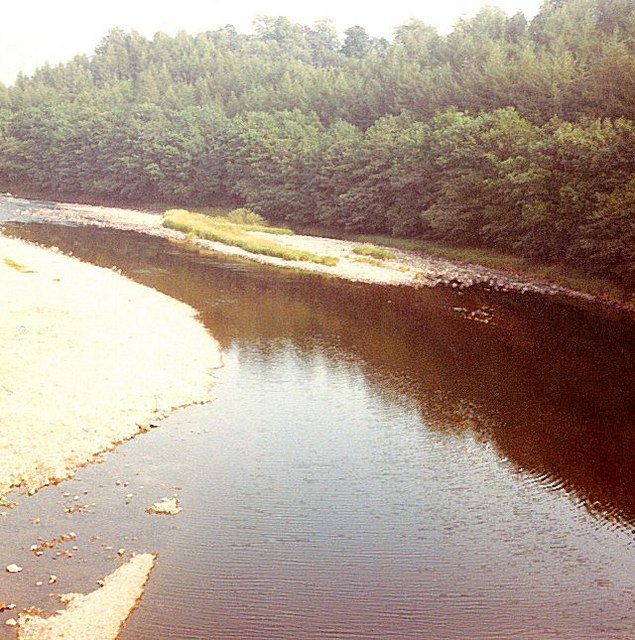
121,552
11,622
167,507
52,579
14,568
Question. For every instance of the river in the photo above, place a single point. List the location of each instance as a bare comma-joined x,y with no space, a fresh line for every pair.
378,463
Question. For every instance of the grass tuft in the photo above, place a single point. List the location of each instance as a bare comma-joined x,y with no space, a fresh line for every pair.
17,266
372,251
237,235
373,261
246,216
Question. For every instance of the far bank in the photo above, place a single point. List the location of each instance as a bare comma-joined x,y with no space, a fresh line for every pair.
418,263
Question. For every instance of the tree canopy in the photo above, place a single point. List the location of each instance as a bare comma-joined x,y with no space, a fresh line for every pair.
506,133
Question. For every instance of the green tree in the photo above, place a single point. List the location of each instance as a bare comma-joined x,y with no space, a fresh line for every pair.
357,43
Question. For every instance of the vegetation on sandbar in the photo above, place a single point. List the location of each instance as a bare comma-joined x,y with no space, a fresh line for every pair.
374,252
239,235
506,135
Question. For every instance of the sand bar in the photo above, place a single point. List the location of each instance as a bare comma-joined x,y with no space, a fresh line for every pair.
87,360
99,615
407,269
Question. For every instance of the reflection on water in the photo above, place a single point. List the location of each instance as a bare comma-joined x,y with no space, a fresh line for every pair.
377,464
550,385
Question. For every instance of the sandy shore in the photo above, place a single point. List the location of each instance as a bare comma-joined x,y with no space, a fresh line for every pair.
99,615
87,360
408,269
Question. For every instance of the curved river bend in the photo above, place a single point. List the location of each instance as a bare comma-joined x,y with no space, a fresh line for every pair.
377,464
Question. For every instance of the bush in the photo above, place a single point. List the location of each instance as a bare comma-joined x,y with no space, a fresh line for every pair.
246,216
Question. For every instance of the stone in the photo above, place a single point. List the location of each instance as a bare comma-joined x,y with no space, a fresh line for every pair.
166,506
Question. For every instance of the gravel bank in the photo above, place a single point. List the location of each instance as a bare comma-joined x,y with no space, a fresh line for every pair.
87,360
409,268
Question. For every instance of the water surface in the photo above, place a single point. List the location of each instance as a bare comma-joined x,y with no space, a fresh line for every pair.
375,464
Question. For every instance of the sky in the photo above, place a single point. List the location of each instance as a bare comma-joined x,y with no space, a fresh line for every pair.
33,32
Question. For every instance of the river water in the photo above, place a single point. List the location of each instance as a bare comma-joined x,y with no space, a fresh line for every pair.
377,464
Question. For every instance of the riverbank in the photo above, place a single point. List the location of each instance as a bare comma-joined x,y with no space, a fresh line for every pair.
88,360
408,268
557,274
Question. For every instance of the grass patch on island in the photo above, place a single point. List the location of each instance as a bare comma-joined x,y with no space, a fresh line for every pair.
249,220
237,234
372,261
378,263
371,251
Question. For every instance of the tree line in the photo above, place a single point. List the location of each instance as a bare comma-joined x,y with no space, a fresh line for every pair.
506,133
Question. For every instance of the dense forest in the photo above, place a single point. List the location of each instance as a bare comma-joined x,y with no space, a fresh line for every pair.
506,133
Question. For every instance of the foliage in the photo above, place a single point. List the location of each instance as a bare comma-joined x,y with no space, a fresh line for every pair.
374,252
243,215
237,235
506,134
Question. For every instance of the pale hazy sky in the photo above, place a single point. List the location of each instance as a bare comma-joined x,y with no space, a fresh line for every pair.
33,32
